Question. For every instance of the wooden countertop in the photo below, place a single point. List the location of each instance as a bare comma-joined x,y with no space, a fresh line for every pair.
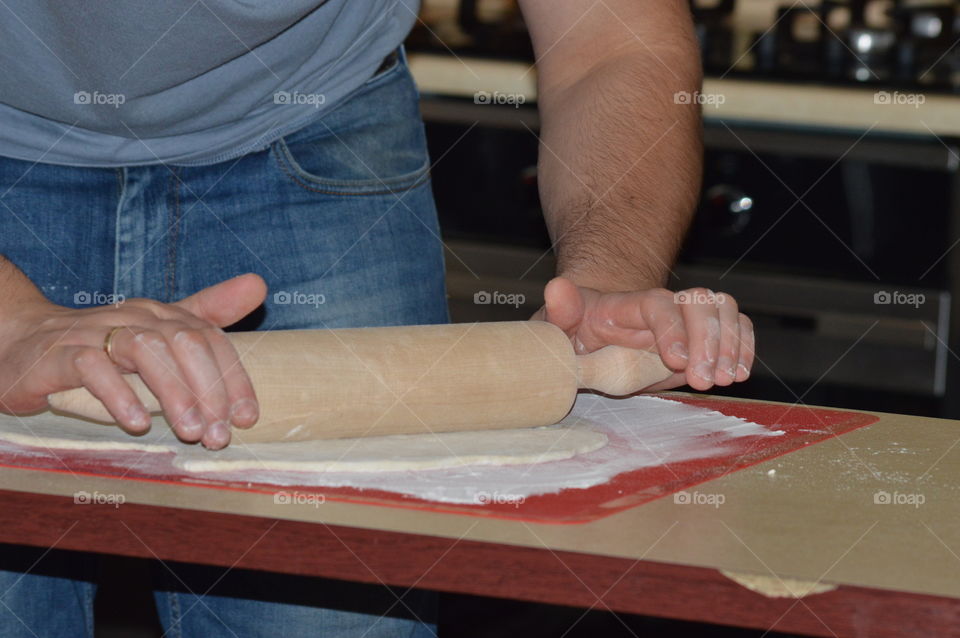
817,515
855,109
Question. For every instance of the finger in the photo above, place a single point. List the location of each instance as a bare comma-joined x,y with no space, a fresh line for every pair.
563,305
148,353
631,319
192,350
728,353
101,377
674,381
76,366
227,302
702,322
244,408
747,348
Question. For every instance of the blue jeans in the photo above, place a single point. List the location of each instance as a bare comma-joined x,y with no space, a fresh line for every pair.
338,218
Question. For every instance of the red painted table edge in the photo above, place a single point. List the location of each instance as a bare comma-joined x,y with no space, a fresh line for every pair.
463,566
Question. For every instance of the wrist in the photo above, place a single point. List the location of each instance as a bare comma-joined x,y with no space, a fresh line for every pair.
613,258
18,295
610,279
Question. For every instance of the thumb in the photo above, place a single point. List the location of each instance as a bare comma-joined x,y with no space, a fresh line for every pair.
563,305
227,302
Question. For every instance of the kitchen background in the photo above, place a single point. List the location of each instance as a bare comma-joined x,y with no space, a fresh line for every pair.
830,185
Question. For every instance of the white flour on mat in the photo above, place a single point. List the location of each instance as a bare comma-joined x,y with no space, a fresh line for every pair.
642,431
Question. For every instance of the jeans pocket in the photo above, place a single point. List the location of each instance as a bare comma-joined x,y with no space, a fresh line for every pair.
372,143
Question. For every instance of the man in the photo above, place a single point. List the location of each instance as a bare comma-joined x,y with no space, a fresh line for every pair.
152,153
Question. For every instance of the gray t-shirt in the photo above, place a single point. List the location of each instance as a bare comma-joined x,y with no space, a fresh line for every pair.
180,81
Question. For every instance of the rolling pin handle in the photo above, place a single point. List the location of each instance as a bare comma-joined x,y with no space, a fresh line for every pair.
620,371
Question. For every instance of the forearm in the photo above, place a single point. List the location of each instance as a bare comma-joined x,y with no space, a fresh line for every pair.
620,165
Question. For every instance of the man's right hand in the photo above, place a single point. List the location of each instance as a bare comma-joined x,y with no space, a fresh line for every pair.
178,349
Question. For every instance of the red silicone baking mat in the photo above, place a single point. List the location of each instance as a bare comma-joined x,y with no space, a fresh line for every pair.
801,425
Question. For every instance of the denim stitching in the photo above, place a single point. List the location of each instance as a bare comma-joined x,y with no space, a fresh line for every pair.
170,269
176,624
285,163
88,609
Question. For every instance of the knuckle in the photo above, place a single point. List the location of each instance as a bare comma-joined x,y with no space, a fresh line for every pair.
190,338
149,340
87,358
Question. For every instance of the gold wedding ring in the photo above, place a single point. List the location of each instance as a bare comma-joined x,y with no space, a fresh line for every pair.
108,343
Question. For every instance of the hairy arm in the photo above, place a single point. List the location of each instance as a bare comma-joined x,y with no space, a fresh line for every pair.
620,170
620,161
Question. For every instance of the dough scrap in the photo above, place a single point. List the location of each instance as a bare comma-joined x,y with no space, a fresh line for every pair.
54,432
775,587
375,454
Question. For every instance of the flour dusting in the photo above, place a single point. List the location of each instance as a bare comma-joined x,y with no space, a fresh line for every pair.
643,431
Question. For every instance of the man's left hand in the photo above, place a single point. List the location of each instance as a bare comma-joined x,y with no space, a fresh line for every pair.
699,334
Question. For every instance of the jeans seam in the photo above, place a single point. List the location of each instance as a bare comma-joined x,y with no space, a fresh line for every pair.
176,624
88,606
118,228
170,269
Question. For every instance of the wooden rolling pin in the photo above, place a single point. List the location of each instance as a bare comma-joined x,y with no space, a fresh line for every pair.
325,384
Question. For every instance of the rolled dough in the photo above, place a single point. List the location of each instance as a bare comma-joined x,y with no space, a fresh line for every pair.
377,454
